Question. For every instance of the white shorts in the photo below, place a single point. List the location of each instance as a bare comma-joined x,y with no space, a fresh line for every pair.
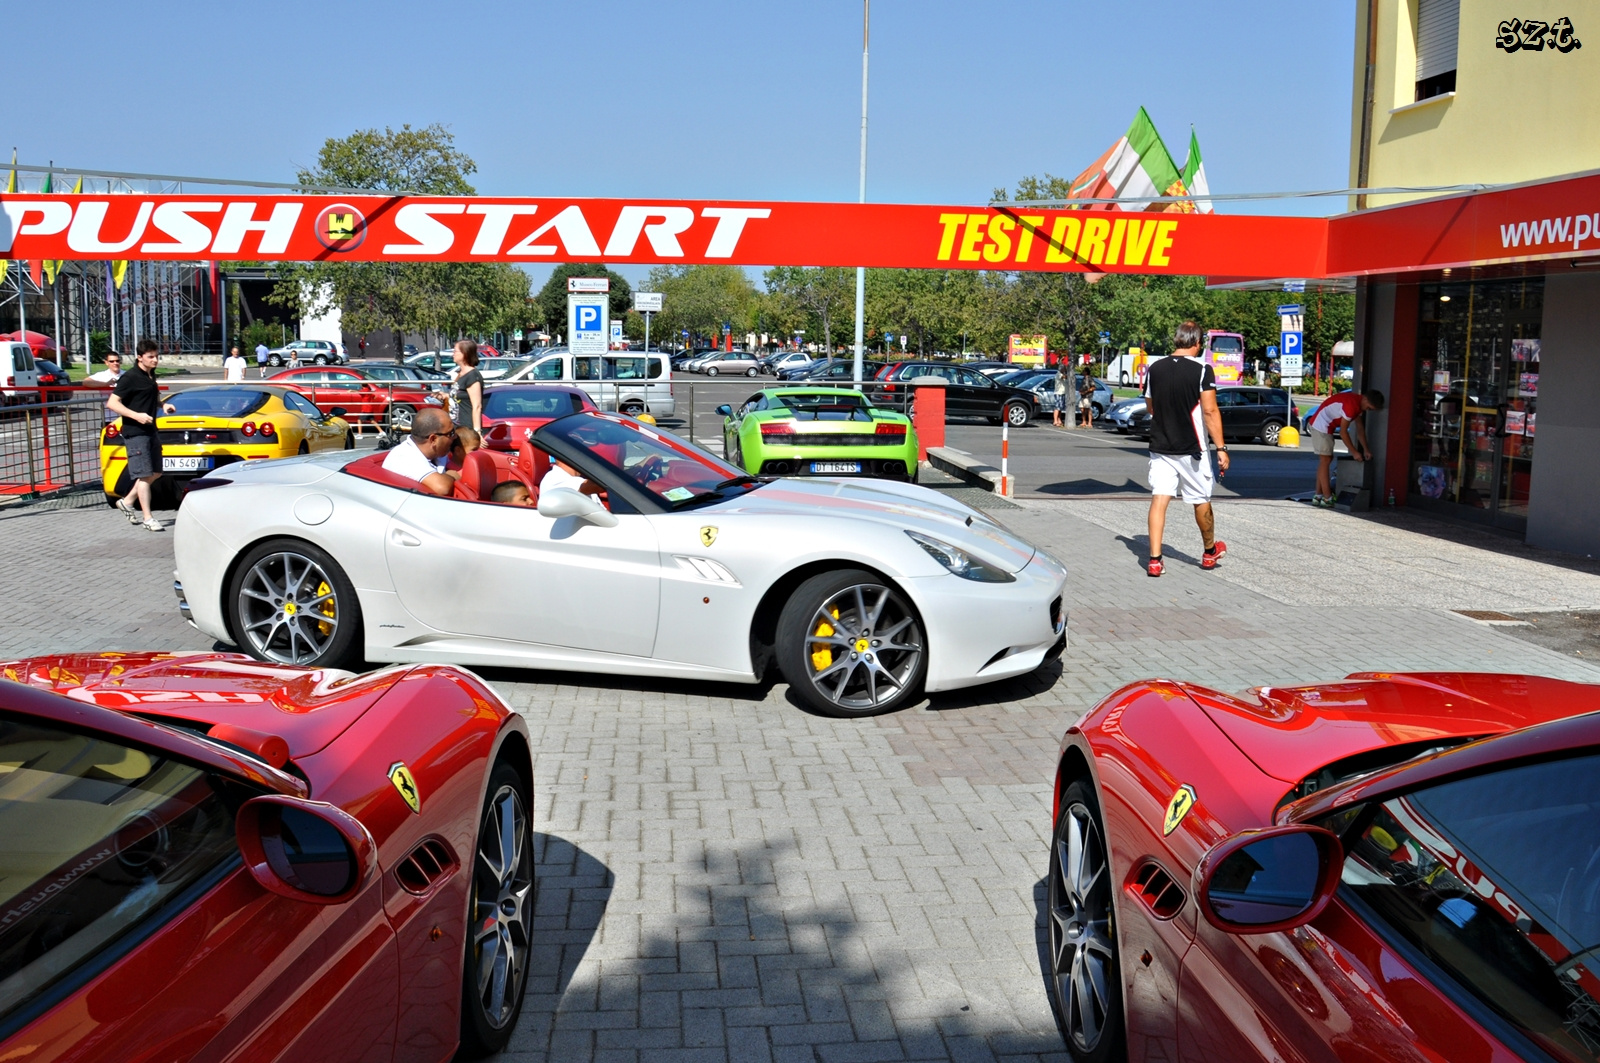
1321,442
1173,474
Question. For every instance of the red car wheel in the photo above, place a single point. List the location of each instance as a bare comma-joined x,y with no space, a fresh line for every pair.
1085,981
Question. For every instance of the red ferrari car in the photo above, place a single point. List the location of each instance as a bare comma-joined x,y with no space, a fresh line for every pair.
205,857
510,411
1394,867
391,404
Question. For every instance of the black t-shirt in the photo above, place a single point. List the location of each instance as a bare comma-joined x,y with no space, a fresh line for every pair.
138,392
1172,388
463,399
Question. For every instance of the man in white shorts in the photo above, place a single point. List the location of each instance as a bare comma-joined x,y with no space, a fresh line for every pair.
1339,414
1181,392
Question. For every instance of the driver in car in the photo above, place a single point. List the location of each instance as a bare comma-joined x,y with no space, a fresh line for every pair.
562,475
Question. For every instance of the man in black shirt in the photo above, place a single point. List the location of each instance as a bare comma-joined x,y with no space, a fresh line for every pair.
137,400
1181,392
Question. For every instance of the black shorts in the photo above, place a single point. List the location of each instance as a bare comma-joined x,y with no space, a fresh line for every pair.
144,456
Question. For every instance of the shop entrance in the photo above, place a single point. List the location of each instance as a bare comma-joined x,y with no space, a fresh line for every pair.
1477,392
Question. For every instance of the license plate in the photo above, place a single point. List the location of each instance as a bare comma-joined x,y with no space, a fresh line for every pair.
835,466
185,464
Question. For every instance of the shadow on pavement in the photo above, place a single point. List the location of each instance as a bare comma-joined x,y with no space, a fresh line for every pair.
573,890
1478,536
1093,487
1018,688
754,692
1139,547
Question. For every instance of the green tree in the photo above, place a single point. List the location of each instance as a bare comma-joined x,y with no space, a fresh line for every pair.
824,296
701,298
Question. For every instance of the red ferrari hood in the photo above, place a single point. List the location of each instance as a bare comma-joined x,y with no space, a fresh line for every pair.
1291,732
307,708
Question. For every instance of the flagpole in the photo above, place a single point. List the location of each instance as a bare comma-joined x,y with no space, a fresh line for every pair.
861,274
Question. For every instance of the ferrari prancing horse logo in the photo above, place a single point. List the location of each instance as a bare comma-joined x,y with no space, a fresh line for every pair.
708,535
1178,807
400,775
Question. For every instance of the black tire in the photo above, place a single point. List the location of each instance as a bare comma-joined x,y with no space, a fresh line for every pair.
398,417
320,359
492,934
274,574
632,409
1017,414
882,637
275,361
1269,433
1124,380
1084,964
750,372
712,371
305,448
350,439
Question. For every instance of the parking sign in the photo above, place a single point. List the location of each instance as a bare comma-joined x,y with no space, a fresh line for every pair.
588,323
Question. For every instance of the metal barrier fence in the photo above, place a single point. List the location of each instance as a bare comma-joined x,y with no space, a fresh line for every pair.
49,439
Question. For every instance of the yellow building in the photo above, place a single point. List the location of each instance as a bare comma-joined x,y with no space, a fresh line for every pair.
1473,92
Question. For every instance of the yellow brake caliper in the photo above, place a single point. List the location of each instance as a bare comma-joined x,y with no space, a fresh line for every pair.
821,652
326,609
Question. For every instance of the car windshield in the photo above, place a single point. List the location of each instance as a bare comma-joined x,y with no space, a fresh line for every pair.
529,402
825,406
218,402
679,474
1496,878
99,838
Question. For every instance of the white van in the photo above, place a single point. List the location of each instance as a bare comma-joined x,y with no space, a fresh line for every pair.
631,381
18,371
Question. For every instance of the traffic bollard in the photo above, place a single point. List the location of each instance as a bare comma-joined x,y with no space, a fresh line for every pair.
1005,454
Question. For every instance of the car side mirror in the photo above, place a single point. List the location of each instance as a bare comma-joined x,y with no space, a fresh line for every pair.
337,411
564,502
308,850
1265,881
725,410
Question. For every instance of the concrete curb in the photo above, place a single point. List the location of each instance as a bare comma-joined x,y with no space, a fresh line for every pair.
964,466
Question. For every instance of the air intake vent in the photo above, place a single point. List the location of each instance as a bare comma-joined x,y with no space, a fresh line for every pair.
1153,886
429,863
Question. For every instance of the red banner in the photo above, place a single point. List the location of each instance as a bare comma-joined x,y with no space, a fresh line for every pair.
488,229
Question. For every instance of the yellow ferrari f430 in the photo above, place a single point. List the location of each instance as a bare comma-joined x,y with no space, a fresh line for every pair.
217,426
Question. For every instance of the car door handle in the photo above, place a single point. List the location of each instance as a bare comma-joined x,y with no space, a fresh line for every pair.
401,537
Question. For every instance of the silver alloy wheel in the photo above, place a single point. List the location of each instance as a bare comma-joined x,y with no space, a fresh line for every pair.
864,646
502,907
1017,414
400,418
1082,944
1269,433
288,608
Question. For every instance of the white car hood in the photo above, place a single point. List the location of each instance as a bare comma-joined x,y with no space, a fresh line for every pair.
897,505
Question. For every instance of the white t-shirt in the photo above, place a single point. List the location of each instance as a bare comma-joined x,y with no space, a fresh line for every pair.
233,369
559,477
407,460
105,376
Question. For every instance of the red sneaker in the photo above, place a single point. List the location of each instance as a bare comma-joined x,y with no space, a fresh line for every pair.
1218,551
1154,566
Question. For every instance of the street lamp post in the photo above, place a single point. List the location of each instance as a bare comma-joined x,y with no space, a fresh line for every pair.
861,273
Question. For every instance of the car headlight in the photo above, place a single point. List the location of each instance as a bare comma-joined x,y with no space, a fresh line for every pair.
959,562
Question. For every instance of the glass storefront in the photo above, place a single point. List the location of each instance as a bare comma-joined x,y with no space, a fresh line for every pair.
1477,363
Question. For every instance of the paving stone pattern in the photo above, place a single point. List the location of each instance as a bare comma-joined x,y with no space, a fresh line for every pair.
726,877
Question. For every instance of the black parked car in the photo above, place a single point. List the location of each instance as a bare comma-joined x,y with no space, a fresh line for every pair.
833,370
51,374
968,393
1248,414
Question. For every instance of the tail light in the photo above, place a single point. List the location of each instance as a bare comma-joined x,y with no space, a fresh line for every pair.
266,429
248,429
777,428
888,387
890,430
113,433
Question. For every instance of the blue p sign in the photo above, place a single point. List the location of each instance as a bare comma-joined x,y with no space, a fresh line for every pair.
1292,343
588,318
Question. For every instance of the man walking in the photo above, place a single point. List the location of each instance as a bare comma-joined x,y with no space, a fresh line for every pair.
261,359
1181,392
1338,414
137,400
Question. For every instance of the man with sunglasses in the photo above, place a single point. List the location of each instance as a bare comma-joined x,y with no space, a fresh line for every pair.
416,457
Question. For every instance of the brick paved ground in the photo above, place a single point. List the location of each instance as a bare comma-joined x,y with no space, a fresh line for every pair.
725,877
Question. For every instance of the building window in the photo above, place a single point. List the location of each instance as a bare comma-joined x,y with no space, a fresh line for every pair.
1438,23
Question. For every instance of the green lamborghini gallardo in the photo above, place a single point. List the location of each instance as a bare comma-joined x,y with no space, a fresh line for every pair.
818,431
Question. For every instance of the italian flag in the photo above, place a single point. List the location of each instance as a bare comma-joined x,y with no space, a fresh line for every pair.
1194,175
1136,166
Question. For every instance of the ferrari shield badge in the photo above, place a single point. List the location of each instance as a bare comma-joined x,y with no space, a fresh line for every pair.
708,535
400,775
1177,808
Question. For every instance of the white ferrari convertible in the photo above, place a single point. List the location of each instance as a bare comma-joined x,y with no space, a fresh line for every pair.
863,593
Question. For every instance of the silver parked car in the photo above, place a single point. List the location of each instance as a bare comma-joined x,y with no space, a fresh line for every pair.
736,363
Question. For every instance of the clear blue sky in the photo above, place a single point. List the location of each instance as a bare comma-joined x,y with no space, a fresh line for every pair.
747,99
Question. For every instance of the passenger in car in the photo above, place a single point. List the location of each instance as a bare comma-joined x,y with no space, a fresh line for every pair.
562,475
431,438
511,493
466,442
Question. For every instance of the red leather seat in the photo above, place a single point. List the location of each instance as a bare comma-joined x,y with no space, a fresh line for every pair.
371,468
478,477
532,464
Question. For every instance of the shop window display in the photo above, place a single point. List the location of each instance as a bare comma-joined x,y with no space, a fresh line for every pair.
1477,393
